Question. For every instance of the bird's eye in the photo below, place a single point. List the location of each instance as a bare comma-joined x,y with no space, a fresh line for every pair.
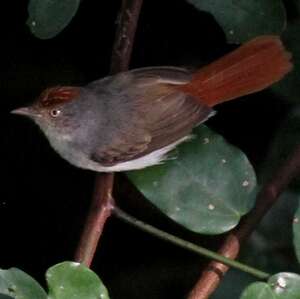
55,112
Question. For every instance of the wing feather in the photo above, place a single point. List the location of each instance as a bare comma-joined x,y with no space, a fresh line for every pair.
159,113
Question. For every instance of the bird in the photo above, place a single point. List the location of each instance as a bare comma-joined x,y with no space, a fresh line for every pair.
133,119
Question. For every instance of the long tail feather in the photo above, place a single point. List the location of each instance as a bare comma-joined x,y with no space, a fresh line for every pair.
252,67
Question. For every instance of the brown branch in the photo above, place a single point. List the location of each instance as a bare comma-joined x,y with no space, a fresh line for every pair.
100,210
123,45
212,275
102,201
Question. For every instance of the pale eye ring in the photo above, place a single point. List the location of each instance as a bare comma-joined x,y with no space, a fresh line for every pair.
55,112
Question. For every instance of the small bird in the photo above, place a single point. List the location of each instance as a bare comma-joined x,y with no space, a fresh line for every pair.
133,119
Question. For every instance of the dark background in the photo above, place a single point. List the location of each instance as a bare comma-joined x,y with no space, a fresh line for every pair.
44,200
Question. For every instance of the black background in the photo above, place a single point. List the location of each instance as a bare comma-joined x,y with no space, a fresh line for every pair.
44,200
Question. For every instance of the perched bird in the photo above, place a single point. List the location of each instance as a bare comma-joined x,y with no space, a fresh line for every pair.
133,119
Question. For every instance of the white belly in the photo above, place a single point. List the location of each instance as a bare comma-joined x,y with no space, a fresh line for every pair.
154,158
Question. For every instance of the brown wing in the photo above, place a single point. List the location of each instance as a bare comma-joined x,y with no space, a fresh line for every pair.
122,147
159,114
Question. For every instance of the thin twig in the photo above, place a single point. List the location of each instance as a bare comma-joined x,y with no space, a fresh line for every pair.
212,275
102,199
187,245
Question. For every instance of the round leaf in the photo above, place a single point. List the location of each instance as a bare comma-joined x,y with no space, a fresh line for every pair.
245,19
73,280
278,222
272,239
284,143
288,88
286,285
47,18
17,284
259,290
207,188
296,231
240,280
280,286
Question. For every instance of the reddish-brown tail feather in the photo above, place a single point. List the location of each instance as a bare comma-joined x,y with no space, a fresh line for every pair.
252,67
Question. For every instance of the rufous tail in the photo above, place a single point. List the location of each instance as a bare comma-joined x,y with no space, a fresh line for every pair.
252,67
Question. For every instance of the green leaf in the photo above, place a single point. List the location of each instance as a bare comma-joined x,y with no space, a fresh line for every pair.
17,284
207,188
296,231
284,143
240,280
72,280
288,88
269,243
286,285
245,19
47,18
259,290
278,222
280,286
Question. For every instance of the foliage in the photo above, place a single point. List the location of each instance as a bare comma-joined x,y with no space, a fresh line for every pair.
282,285
296,231
191,188
211,183
65,280
244,19
17,284
47,18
